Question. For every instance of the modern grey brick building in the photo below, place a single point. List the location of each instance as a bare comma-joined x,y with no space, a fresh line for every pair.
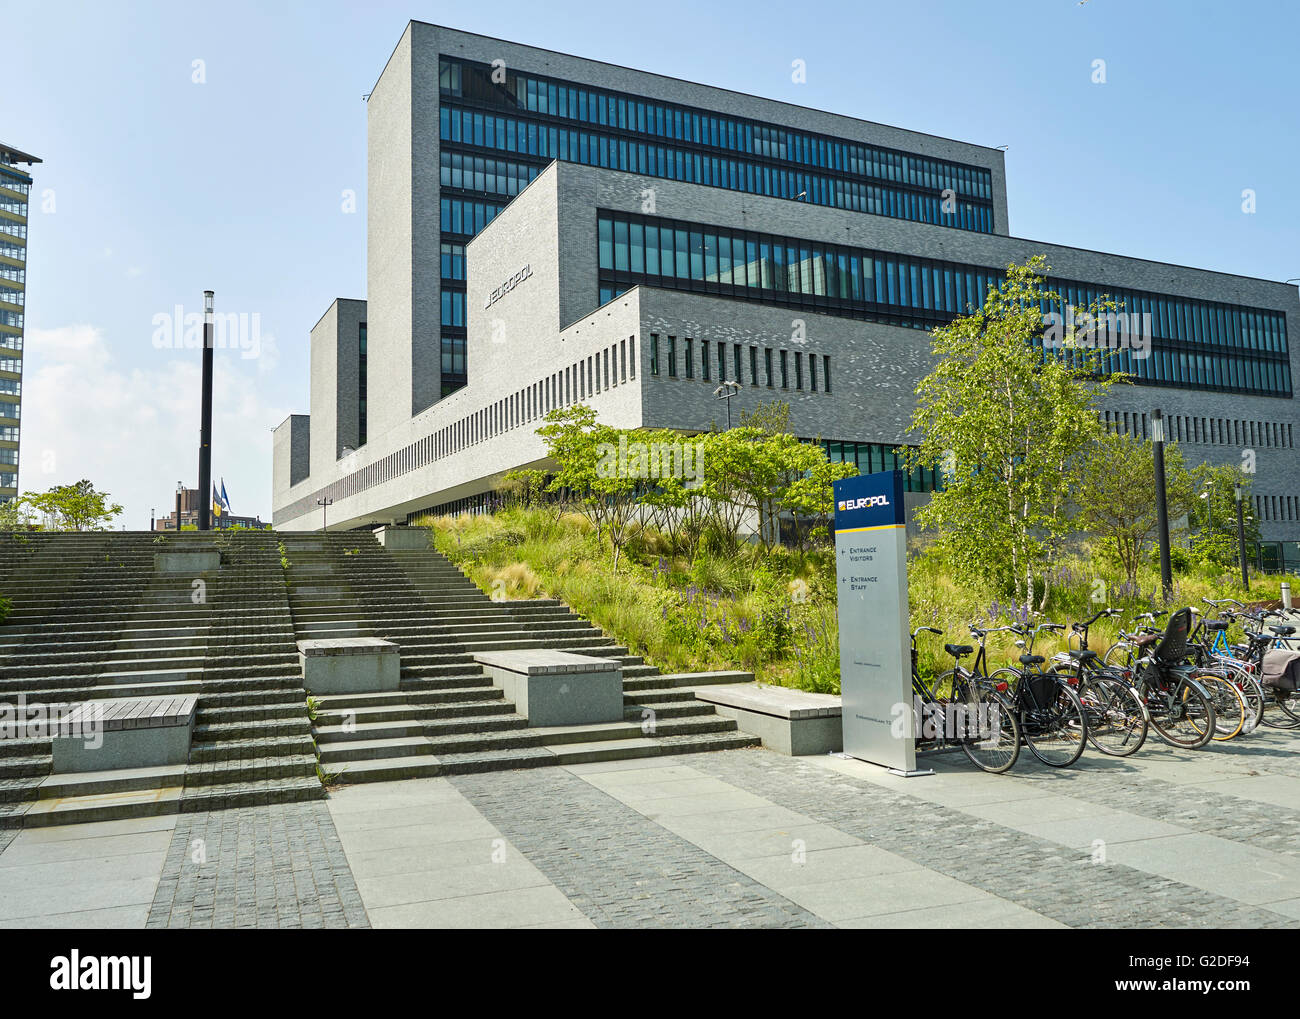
546,230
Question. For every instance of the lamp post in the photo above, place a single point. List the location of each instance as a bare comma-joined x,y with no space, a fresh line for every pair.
1162,510
1207,493
205,421
725,392
1241,533
324,505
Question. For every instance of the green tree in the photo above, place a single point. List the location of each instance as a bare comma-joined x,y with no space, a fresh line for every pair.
752,472
589,467
1116,501
1213,515
1009,422
76,507
15,515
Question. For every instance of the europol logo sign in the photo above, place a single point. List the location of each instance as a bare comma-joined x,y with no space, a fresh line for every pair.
865,503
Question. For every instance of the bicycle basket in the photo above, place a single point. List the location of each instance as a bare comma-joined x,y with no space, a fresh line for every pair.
1041,690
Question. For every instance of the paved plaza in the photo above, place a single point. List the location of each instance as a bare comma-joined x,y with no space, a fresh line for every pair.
741,838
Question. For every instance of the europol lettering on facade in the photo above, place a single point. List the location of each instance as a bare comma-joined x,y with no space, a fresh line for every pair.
508,286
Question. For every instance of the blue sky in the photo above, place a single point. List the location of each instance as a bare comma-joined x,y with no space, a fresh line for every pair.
160,187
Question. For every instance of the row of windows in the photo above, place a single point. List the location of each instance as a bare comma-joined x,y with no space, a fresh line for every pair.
15,274
23,187
12,295
807,371
10,249
9,433
562,100
8,203
9,410
8,480
494,176
10,342
11,386
871,457
612,366
922,293
13,228
592,149
453,261
9,456
11,318
1208,431
466,217
453,355
362,383
453,307
1277,507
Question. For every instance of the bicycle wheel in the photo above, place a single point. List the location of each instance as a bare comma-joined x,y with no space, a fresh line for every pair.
1054,728
1119,656
1287,715
1251,692
1173,706
1229,706
1117,719
989,734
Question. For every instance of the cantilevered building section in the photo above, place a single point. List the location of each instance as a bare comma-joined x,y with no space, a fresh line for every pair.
15,189
566,231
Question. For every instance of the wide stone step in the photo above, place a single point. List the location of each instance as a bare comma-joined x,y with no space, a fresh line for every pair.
329,736
406,711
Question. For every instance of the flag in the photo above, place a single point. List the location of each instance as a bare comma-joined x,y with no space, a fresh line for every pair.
216,502
225,500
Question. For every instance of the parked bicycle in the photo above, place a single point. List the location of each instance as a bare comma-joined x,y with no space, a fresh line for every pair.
1117,719
1052,720
967,712
1179,708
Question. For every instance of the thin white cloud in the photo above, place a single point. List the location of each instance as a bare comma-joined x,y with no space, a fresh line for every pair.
134,431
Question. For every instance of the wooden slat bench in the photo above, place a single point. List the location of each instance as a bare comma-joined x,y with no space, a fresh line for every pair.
128,732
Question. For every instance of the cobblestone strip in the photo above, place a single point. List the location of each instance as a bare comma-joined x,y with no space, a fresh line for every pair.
1197,808
620,868
277,865
1052,880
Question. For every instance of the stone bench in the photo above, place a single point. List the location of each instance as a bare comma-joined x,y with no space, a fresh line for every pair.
557,688
400,539
349,665
127,732
793,722
188,562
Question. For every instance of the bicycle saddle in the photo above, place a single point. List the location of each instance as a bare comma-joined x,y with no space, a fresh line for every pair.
957,650
1283,631
1083,656
1032,659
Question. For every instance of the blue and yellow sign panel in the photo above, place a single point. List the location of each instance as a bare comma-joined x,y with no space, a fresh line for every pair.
875,652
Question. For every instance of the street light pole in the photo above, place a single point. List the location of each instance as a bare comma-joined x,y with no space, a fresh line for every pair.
205,421
725,392
1241,534
1162,510
324,505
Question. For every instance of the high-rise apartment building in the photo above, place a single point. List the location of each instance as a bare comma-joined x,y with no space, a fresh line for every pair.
15,192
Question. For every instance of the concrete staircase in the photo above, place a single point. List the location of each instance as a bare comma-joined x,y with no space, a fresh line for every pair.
91,618
447,718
